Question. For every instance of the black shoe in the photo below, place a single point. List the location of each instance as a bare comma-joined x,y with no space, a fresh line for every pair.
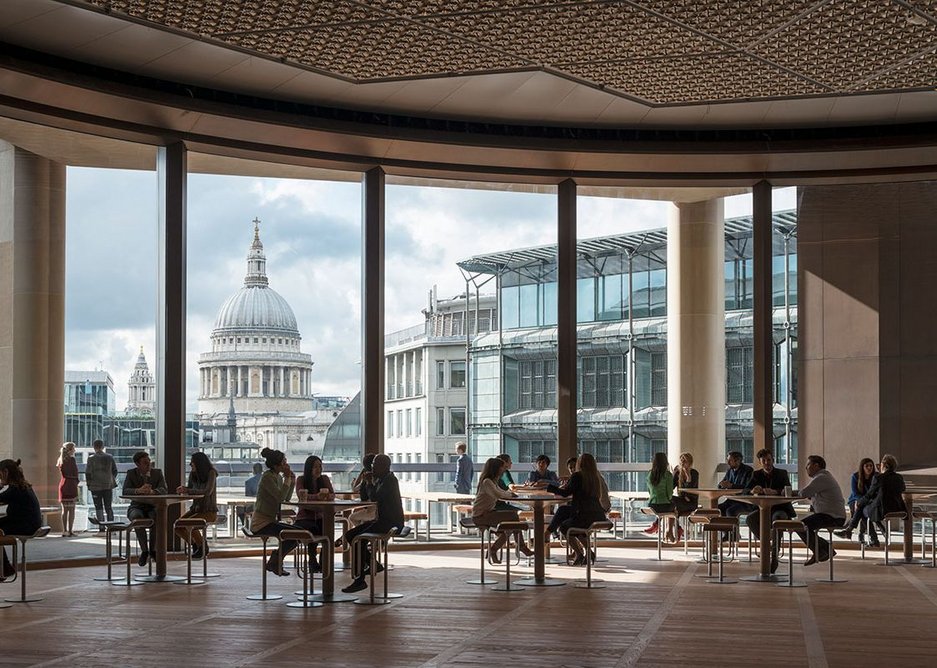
356,585
774,565
144,557
197,552
844,533
580,560
873,542
276,569
378,567
94,521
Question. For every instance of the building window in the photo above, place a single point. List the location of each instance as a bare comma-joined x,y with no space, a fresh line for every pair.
409,422
419,460
440,475
440,375
739,375
440,421
457,374
390,424
537,384
744,445
456,421
399,424
418,425
659,379
603,381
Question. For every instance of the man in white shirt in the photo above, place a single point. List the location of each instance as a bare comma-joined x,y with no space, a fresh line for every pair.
827,504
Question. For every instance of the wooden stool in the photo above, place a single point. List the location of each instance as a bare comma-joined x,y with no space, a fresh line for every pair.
922,515
720,526
342,519
110,528
661,517
902,516
614,516
303,540
589,534
190,524
932,516
508,529
41,532
376,543
699,518
469,523
791,527
816,549
263,595
129,528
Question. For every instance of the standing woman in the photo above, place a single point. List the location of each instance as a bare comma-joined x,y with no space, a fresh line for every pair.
68,487
23,517
276,487
488,495
202,481
660,490
586,486
312,484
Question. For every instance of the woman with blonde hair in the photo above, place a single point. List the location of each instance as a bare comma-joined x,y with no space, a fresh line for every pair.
68,487
587,488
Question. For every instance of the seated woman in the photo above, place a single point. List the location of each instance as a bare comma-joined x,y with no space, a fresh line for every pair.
860,484
312,484
202,481
276,486
562,513
685,476
23,516
489,508
660,488
884,495
586,487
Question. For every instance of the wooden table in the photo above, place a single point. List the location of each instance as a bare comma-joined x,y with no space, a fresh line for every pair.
328,509
908,496
437,497
161,502
538,500
765,503
231,504
711,494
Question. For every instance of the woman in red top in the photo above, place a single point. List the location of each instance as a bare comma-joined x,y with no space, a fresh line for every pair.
312,484
68,487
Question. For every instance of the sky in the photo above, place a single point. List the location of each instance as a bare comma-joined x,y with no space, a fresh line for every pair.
311,231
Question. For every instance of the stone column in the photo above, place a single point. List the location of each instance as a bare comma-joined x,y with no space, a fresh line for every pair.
240,381
282,386
696,336
32,313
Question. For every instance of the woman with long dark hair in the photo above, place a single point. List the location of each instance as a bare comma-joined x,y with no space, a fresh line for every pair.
859,486
203,479
68,487
876,495
276,487
312,484
23,516
660,490
587,487
484,512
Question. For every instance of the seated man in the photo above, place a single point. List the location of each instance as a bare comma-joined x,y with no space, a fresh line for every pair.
381,487
542,476
738,476
826,502
770,481
143,480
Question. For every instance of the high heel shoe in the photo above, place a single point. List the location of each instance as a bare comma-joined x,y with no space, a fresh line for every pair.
525,550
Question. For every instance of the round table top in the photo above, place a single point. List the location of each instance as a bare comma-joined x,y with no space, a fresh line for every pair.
767,499
347,503
163,498
709,492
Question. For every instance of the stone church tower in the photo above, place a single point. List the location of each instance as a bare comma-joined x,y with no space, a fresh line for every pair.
142,386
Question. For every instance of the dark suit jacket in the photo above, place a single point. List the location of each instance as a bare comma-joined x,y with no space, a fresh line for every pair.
778,480
884,496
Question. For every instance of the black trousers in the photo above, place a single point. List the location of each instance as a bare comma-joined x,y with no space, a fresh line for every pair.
363,549
102,504
753,522
139,513
815,522
285,546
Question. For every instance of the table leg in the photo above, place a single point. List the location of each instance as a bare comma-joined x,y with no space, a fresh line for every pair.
539,579
429,519
764,538
909,528
160,546
328,594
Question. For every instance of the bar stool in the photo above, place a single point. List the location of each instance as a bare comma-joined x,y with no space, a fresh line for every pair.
661,517
129,528
932,516
11,542
699,518
303,540
402,532
189,525
41,532
263,595
816,549
375,542
721,527
111,528
903,516
922,515
791,527
483,531
591,548
508,529
345,522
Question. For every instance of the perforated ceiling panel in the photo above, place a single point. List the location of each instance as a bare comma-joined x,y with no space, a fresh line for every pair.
663,52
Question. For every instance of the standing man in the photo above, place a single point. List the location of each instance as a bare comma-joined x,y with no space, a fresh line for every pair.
829,509
143,479
382,488
738,476
101,477
464,470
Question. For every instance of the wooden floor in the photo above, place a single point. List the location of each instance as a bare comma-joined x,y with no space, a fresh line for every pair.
651,614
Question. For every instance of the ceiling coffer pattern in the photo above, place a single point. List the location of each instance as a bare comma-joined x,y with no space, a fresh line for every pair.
662,52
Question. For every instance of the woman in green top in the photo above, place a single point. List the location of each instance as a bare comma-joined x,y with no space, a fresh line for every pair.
660,489
276,487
